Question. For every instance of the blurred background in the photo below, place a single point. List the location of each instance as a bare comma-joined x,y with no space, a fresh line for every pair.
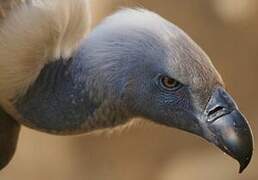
228,31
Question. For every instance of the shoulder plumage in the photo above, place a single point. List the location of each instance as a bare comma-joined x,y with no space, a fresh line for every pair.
35,33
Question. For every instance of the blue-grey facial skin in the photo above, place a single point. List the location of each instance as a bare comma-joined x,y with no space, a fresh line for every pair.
113,77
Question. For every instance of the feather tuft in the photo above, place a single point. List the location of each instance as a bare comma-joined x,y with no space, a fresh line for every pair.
36,33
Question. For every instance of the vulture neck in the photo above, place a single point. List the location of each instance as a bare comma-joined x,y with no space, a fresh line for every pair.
69,97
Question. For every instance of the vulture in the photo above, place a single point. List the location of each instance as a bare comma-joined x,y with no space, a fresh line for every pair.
59,76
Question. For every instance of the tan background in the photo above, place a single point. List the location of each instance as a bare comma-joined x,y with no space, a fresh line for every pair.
228,31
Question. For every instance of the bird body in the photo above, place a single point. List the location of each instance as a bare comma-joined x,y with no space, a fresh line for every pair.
57,77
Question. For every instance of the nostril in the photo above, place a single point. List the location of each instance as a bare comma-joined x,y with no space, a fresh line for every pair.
215,110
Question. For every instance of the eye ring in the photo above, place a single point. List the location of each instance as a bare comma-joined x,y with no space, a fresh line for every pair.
169,83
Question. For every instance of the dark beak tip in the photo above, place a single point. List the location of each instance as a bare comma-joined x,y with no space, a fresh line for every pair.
247,147
234,137
243,165
244,162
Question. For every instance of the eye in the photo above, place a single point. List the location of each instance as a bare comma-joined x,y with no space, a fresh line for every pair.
169,83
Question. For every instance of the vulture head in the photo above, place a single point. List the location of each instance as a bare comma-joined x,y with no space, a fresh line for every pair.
135,64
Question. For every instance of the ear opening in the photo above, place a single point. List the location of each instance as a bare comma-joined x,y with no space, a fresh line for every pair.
9,133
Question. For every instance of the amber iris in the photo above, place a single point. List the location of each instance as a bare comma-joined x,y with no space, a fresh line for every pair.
169,83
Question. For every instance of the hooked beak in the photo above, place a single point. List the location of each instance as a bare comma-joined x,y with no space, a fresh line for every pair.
223,124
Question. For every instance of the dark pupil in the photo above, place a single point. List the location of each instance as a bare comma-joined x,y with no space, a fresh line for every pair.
168,82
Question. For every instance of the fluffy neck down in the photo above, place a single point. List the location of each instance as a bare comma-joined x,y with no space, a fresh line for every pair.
65,99
35,33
